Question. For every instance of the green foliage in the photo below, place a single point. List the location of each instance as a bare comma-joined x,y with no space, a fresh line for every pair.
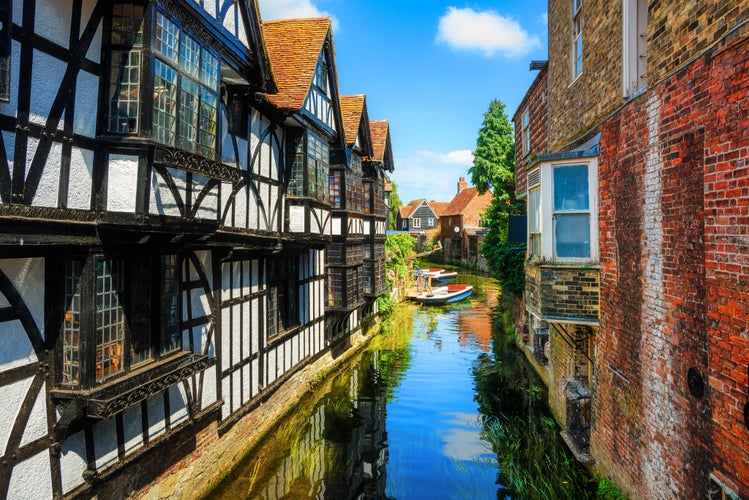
608,491
505,260
494,158
494,168
395,203
398,249
386,305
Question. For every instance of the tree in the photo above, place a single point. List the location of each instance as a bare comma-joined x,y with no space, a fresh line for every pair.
494,169
395,203
494,159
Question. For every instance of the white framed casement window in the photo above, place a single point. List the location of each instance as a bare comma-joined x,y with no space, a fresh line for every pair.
430,222
416,222
635,45
577,39
563,212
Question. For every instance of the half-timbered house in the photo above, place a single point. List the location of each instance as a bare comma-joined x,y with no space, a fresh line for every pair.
164,212
376,212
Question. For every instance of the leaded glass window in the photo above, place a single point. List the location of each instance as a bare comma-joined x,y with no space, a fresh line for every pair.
110,318
71,329
125,69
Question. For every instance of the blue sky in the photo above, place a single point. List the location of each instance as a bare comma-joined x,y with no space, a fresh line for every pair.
430,67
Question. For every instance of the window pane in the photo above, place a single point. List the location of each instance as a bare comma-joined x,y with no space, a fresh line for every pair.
169,300
127,25
167,37
209,70
110,318
139,312
165,102
572,235
272,311
335,189
124,92
534,211
71,329
207,125
189,56
571,188
188,115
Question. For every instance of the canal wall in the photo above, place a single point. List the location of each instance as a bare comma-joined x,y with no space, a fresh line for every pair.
200,455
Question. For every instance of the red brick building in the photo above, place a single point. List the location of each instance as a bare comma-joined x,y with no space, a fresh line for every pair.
461,227
633,160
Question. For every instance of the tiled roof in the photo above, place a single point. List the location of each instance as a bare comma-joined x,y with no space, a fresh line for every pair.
352,109
379,131
294,47
439,207
405,211
461,201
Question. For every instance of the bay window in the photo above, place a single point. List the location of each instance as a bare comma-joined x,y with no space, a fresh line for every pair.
185,81
309,174
108,324
562,212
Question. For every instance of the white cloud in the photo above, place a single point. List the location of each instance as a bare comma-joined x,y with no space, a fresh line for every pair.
545,18
290,9
487,32
431,174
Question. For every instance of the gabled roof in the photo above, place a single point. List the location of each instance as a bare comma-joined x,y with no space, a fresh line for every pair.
356,121
381,149
439,207
463,199
294,47
405,211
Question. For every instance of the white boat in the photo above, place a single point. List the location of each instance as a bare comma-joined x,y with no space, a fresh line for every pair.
448,294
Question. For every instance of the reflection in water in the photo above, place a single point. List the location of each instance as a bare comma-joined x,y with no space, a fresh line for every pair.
401,420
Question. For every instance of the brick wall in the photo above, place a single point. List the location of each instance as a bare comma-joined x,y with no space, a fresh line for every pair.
674,241
679,31
562,292
577,107
536,101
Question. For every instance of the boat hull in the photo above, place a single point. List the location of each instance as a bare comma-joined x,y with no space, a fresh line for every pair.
444,296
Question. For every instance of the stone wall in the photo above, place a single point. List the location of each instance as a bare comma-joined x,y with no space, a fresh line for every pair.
674,213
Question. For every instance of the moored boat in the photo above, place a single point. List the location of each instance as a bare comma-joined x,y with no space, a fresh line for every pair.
445,294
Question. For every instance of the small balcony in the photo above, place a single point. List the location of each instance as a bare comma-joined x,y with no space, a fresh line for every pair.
556,292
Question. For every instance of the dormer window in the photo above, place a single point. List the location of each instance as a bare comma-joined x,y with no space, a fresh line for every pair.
321,76
184,76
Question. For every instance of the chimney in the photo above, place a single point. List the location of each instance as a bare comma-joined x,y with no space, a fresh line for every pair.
462,184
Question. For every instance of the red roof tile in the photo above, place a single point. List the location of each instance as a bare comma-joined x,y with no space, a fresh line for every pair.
465,198
439,207
294,47
379,130
352,109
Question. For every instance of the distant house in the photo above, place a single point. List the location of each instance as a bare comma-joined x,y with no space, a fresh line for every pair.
418,216
461,227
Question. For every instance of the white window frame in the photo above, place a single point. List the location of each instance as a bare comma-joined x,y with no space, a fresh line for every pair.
548,245
416,222
430,222
577,39
635,45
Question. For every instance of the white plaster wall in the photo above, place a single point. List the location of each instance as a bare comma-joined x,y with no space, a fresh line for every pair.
296,219
105,443
211,8
86,100
53,21
46,79
14,395
225,340
252,221
270,363
31,479
122,188
226,409
27,275
236,333
162,201
230,21
273,209
81,178
240,209
37,424
47,193
9,140
156,421
337,226
178,405
255,326
132,428
210,394
208,208
94,51
72,461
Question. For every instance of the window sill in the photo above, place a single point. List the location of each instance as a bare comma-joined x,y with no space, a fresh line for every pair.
112,397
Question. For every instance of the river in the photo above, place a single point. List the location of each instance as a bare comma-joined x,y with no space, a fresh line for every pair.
403,418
